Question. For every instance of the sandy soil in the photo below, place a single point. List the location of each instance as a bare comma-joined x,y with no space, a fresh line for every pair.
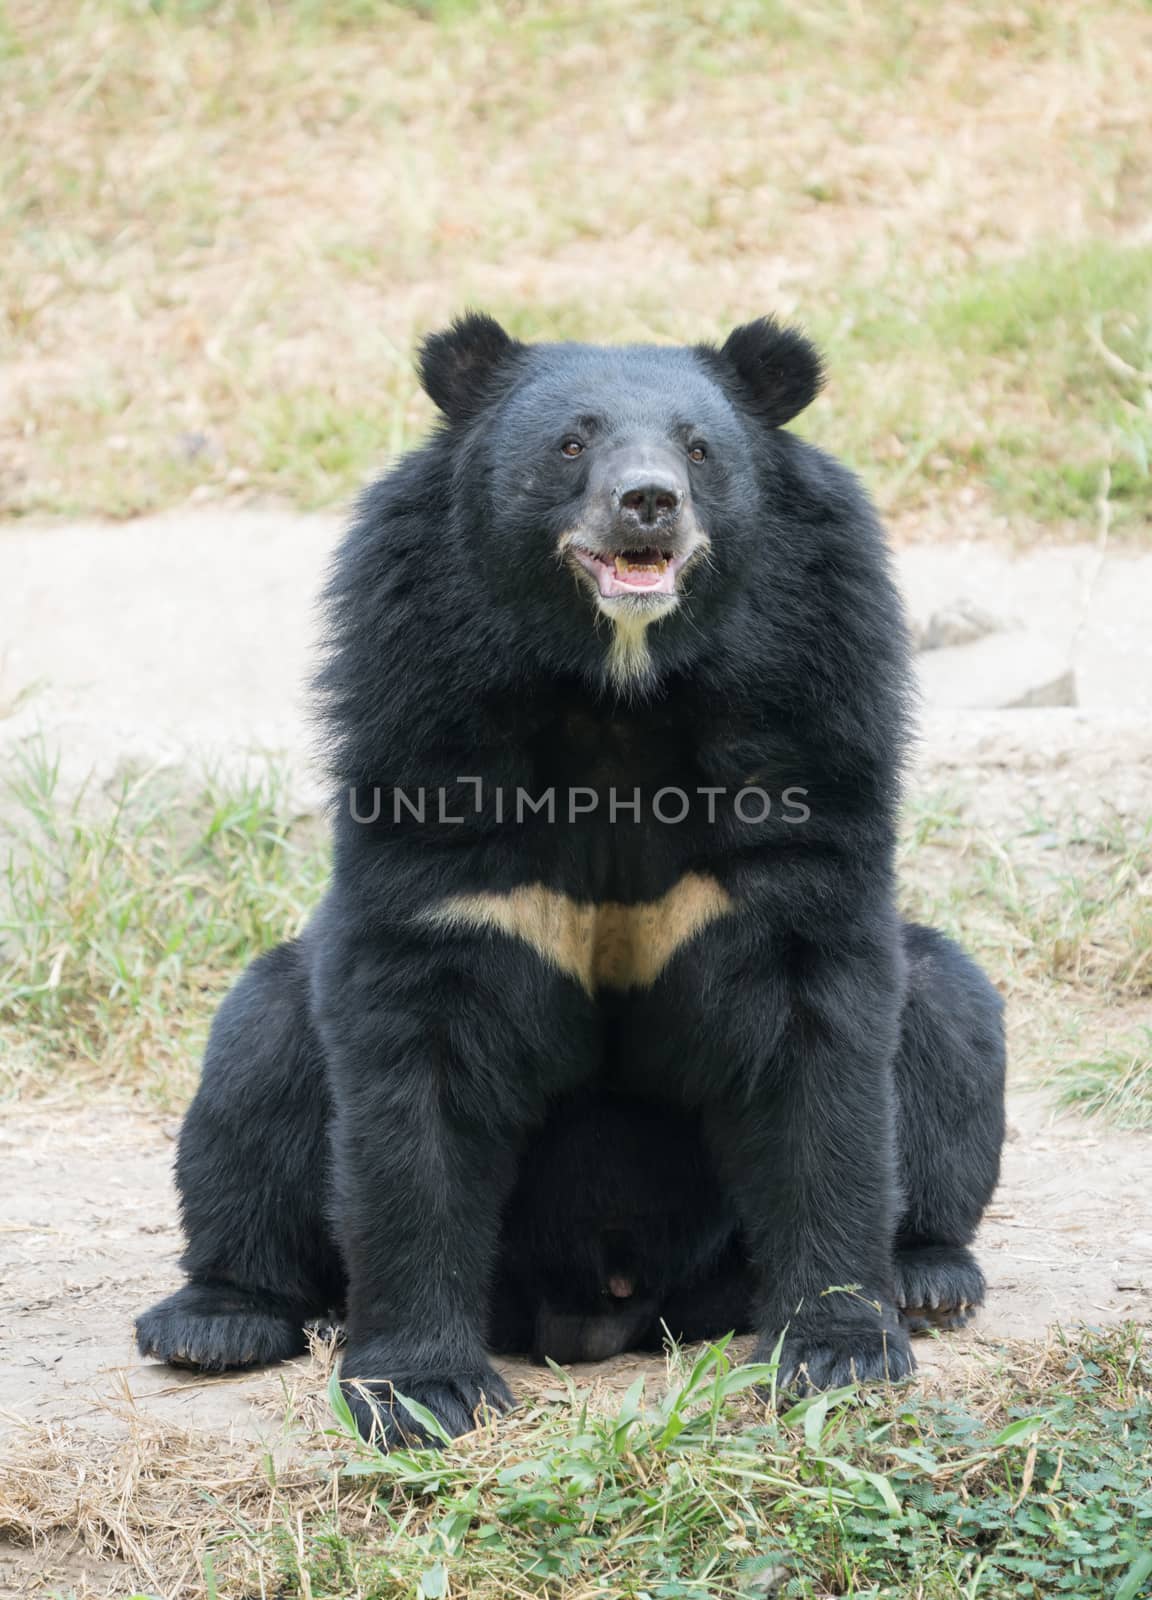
89,1237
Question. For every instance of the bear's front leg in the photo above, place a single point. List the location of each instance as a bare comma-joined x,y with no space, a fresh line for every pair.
805,1137
423,1160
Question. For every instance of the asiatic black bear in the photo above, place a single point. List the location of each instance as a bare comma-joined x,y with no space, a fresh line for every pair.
609,1020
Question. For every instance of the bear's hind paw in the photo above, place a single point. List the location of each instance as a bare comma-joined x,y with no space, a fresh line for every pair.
937,1287
218,1329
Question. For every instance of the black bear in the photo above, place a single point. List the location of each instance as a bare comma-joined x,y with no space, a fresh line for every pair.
609,1022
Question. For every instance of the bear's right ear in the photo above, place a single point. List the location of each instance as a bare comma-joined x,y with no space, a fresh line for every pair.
776,370
457,366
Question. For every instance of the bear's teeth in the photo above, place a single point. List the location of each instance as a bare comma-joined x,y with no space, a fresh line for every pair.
624,565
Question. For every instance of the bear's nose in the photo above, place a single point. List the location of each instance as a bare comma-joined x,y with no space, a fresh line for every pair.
649,500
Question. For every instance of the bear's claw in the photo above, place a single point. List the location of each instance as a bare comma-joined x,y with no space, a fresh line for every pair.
457,1401
938,1287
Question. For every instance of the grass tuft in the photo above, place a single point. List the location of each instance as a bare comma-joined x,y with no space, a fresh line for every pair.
1063,903
125,916
1042,1488
1116,1085
1058,910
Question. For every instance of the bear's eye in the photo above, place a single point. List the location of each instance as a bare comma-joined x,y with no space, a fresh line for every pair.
697,453
572,448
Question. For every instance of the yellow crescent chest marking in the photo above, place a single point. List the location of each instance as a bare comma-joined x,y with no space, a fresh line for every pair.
611,945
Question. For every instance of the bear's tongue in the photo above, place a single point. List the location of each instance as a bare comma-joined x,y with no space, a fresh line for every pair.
637,570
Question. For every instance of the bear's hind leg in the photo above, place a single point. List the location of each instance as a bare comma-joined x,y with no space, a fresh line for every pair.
252,1175
717,1302
950,1096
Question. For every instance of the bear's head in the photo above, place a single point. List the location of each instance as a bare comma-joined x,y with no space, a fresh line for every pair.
616,486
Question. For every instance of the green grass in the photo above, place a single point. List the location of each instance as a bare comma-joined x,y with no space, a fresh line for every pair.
1032,1479
123,919
1041,1488
1031,377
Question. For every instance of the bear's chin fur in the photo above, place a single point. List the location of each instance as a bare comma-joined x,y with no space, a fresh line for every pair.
628,662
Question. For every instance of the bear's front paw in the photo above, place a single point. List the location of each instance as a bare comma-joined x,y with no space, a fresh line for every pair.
818,1357
456,1399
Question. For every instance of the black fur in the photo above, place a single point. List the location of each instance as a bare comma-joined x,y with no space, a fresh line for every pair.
774,371
446,1135
459,366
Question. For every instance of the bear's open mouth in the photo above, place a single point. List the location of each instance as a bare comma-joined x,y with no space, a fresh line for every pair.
649,570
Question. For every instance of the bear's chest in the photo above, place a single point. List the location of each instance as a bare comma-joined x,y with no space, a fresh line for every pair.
617,751
619,820
602,862
602,944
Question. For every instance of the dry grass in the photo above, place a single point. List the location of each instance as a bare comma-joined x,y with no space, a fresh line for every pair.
149,1503
1058,909
1062,901
1114,1083
586,1497
224,224
125,916
121,1496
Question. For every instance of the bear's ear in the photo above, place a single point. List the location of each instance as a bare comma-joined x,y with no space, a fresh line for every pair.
777,370
457,366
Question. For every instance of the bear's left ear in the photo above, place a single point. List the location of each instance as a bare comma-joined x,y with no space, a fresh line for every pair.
457,366
777,370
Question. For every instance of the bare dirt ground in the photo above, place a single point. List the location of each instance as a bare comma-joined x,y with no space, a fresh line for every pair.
90,1237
